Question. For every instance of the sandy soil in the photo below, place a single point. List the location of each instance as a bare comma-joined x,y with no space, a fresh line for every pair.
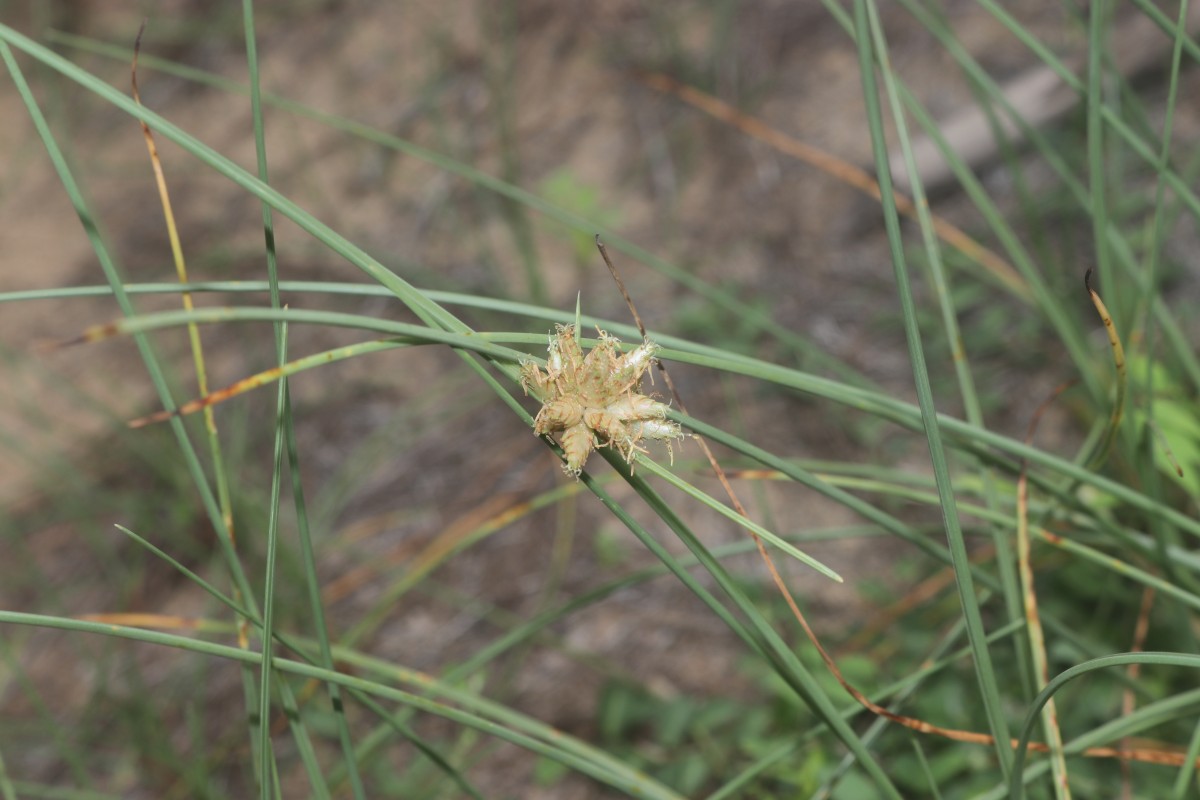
531,91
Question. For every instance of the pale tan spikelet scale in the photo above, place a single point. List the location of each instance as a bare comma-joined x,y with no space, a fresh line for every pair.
594,399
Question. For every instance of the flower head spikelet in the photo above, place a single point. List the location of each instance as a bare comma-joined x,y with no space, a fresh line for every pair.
595,400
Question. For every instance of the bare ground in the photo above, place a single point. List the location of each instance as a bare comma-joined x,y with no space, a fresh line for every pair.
402,449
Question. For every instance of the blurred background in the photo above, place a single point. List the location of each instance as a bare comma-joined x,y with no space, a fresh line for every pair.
405,456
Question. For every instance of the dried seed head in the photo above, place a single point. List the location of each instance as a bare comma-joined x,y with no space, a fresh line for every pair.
638,407
558,415
661,429
564,350
577,443
594,400
607,425
533,380
633,364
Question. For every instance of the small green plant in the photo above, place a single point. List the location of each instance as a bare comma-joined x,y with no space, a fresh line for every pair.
564,189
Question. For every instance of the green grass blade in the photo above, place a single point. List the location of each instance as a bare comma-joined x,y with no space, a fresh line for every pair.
215,514
268,604
1016,784
751,316
117,288
304,650
866,19
7,791
727,512
287,428
1187,773
483,716
765,638
425,309
885,406
1010,593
